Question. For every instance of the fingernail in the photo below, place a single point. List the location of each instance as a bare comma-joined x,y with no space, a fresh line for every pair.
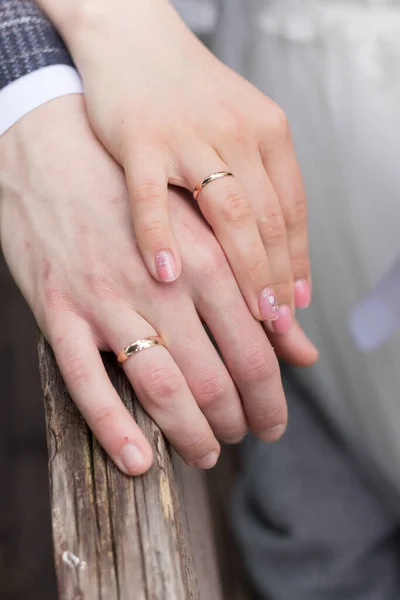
207,462
284,322
132,458
273,434
166,266
268,305
302,293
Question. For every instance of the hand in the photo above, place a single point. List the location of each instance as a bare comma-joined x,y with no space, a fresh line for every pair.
66,235
170,112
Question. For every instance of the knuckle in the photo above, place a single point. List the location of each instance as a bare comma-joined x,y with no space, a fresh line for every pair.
231,122
235,207
256,270
197,444
56,298
233,434
278,127
96,282
210,390
301,266
100,285
102,418
274,229
266,417
160,384
257,366
211,263
147,191
296,217
75,371
154,229
275,416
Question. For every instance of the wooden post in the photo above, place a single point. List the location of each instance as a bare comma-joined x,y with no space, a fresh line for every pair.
121,538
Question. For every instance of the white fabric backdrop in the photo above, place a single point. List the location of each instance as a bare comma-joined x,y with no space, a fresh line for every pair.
335,68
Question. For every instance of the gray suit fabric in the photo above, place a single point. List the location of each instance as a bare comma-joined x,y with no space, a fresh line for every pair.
27,41
310,523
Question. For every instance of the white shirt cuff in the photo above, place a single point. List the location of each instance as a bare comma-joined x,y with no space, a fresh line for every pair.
31,91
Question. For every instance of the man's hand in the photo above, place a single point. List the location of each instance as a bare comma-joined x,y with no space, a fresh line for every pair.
67,237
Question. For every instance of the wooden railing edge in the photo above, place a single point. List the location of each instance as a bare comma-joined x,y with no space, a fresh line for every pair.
121,538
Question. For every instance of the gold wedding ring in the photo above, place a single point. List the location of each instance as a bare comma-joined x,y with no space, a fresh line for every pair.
208,180
138,346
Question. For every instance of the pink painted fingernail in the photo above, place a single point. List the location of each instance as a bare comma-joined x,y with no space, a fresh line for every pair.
132,458
302,293
166,266
284,322
268,305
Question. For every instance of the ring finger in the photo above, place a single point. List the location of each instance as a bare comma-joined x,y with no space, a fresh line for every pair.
163,391
204,371
84,374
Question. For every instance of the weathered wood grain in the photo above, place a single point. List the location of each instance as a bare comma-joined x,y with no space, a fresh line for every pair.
121,527
146,538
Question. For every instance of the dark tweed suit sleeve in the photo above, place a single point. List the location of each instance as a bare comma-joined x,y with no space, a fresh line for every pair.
28,41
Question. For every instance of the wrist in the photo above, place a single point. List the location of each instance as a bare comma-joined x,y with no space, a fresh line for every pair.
91,28
75,15
76,19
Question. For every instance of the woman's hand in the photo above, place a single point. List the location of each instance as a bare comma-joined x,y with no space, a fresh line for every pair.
170,112
67,237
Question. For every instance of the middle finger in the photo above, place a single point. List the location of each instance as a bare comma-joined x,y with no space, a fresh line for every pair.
228,210
205,373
